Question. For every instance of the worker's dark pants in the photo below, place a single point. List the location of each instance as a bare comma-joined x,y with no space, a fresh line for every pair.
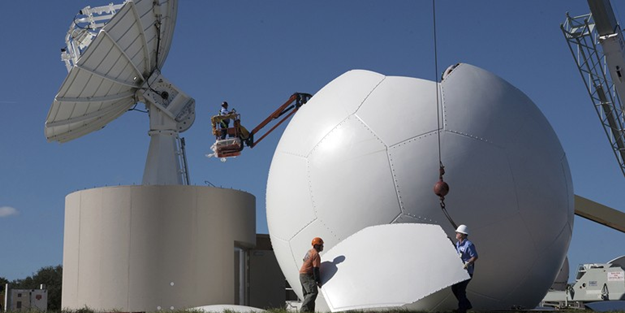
309,288
460,291
224,128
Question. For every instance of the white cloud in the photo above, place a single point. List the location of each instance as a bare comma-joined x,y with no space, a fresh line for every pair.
7,211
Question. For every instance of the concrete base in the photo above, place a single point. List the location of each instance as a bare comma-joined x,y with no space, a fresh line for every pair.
146,248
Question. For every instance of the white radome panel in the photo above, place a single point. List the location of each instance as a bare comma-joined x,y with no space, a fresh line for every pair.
541,271
327,109
492,266
496,104
409,190
294,169
388,122
349,160
284,255
304,237
505,166
349,276
417,195
543,165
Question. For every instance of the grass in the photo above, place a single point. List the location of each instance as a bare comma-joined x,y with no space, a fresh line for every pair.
279,310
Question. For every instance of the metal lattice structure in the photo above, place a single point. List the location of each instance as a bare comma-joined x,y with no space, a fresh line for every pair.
583,40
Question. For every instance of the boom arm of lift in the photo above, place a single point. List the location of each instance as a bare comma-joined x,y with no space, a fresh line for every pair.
238,136
289,108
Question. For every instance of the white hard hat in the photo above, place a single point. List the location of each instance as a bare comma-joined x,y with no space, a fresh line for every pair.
462,229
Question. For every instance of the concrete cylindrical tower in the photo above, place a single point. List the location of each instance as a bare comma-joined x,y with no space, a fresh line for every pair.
145,248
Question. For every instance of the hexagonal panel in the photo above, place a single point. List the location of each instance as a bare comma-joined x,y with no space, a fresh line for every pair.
289,205
506,269
481,104
477,172
415,171
400,108
299,244
289,267
329,106
352,185
542,185
544,268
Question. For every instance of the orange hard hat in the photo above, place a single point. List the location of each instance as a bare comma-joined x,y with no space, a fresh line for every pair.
317,241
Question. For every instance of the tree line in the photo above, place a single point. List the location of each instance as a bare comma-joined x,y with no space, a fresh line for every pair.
50,276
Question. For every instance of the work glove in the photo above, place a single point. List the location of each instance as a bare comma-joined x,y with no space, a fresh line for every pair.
466,265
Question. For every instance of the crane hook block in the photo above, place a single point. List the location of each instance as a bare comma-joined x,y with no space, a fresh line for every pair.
441,188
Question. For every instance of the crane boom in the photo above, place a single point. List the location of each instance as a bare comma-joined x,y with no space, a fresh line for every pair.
604,16
596,42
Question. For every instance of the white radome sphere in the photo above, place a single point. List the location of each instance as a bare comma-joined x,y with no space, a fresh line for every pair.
364,151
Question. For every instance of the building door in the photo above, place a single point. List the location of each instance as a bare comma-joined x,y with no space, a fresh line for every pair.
240,276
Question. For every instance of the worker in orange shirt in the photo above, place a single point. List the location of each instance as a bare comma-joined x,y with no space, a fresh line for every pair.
309,275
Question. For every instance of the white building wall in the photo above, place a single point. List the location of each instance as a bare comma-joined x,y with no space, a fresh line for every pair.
144,248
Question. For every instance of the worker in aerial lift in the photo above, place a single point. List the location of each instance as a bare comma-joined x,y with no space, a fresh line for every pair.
225,123
468,254
309,275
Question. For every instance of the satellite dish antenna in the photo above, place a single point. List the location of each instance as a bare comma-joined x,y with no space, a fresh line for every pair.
113,57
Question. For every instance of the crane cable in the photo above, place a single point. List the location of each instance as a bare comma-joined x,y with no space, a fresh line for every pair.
441,188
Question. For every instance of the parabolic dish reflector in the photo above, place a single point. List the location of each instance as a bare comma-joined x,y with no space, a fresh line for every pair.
109,68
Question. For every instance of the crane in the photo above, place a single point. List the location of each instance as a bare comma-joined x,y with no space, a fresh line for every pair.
238,136
596,42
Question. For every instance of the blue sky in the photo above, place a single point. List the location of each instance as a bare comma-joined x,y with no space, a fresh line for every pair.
254,55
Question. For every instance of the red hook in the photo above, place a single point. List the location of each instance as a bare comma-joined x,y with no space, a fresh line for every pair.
441,188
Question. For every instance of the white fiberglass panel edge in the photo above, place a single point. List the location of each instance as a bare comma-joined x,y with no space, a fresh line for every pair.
407,263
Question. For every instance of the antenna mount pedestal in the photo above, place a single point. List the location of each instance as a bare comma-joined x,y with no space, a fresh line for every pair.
171,112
